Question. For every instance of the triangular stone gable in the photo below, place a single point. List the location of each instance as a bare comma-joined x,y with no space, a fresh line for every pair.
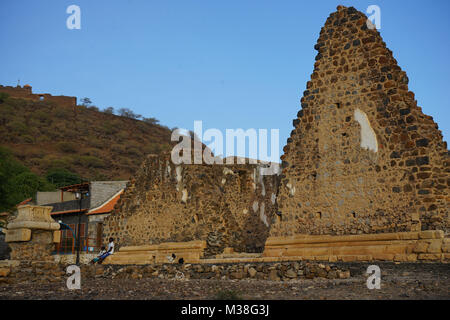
363,157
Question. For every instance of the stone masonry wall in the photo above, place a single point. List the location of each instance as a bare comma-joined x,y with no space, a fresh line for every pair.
26,93
226,205
46,272
363,157
37,249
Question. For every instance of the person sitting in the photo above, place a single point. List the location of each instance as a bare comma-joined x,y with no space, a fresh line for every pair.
171,258
102,252
107,253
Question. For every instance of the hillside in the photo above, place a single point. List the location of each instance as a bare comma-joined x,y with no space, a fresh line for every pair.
45,136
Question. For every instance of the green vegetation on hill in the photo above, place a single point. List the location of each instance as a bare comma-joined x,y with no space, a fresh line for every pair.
81,144
17,182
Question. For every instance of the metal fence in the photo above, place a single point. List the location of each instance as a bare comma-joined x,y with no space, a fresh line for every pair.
68,243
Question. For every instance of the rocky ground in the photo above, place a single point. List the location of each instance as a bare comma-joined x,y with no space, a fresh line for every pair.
398,281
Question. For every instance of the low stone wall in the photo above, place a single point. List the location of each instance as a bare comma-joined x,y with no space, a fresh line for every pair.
190,252
402,246
85,258
428,245
44,272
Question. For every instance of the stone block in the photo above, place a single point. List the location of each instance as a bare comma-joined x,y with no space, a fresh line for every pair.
332,258
34,225
57,236
4,272
432,234
383,256
273,275
9,263
435,246
343,274
34,217
446,245
405,257
351,258
429,256
421,246
18,235
411,257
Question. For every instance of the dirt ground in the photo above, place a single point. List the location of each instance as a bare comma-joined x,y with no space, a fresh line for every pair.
398,281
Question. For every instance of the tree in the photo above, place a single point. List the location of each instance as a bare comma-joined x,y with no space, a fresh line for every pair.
125,112
94,108
151,120
3,97
86,102
62,177
17,182
109,110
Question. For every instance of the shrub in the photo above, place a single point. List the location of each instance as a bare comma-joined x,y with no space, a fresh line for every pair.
27,139
109,128
151,120
125,112
118,148
63,113
62,177
109,110
52,161
91,161
3,96
45,117
67,147
19,127
134,152
94,108
122,135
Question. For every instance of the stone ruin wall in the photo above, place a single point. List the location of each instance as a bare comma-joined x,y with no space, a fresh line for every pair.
26,93
363,157
226,205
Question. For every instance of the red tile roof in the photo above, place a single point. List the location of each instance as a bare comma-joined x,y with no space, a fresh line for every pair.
108,206
68,211
24,202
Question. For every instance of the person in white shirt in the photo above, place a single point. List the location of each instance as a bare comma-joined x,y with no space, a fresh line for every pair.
102,252
109,252
171,258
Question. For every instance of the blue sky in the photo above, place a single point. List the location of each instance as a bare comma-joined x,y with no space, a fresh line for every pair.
232,64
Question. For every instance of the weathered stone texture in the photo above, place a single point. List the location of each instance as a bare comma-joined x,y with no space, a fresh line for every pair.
31,235
225,205
25,92
37,249
362,157
46,272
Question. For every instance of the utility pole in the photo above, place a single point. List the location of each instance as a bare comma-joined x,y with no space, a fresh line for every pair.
79,197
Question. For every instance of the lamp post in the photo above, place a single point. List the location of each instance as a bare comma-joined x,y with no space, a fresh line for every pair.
79,197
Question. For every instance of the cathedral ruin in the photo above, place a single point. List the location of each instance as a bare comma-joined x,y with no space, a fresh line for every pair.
365,174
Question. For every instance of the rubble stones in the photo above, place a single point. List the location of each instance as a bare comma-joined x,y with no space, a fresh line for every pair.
42,272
